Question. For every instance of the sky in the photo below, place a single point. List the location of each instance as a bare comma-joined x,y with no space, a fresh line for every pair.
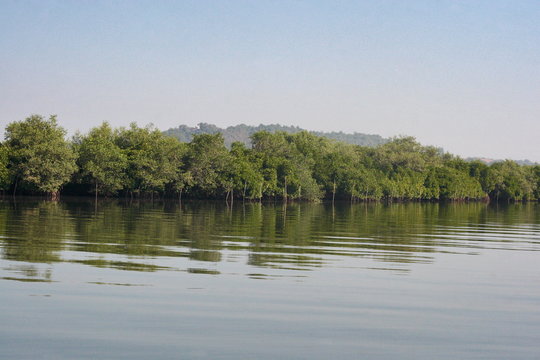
462,75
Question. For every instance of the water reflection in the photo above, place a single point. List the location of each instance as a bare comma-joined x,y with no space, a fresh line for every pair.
165,236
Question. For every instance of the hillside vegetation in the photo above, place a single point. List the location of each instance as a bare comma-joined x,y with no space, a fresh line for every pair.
243,133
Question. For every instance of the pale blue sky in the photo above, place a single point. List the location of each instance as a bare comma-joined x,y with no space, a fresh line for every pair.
464,75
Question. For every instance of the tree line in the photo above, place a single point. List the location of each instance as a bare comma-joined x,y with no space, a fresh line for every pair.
36,158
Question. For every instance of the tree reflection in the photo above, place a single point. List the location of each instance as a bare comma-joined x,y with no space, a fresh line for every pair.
35,231
140,236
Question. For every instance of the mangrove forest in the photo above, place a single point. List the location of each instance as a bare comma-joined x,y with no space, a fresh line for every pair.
36,158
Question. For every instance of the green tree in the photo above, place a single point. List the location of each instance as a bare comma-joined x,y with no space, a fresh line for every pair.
458,185
102,160
208,162
40,157
510,181
431,185
287,164
4,170
180,179
535,180
247,174
406,152
272,150
149,160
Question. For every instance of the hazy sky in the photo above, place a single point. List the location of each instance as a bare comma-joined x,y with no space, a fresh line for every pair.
464,75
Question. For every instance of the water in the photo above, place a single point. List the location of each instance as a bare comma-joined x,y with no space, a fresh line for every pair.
303,281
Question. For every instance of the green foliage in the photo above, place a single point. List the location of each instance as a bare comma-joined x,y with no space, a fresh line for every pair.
101,159
247,175
242,133
208,161
534,175
457,185
150,162
179,179
284,165
509,181
406,152
4,171
288,163
40,157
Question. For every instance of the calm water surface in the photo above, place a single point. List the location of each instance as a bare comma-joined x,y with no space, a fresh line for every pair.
303,281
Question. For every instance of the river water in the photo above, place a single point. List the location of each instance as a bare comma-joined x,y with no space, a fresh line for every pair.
201,280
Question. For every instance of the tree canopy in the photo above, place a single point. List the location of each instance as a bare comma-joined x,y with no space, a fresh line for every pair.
142,161
39,156
101,160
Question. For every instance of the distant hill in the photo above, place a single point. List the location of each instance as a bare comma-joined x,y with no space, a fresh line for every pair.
492,161
242,133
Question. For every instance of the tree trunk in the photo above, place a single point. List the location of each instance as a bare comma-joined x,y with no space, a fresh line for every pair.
285,190
15,187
